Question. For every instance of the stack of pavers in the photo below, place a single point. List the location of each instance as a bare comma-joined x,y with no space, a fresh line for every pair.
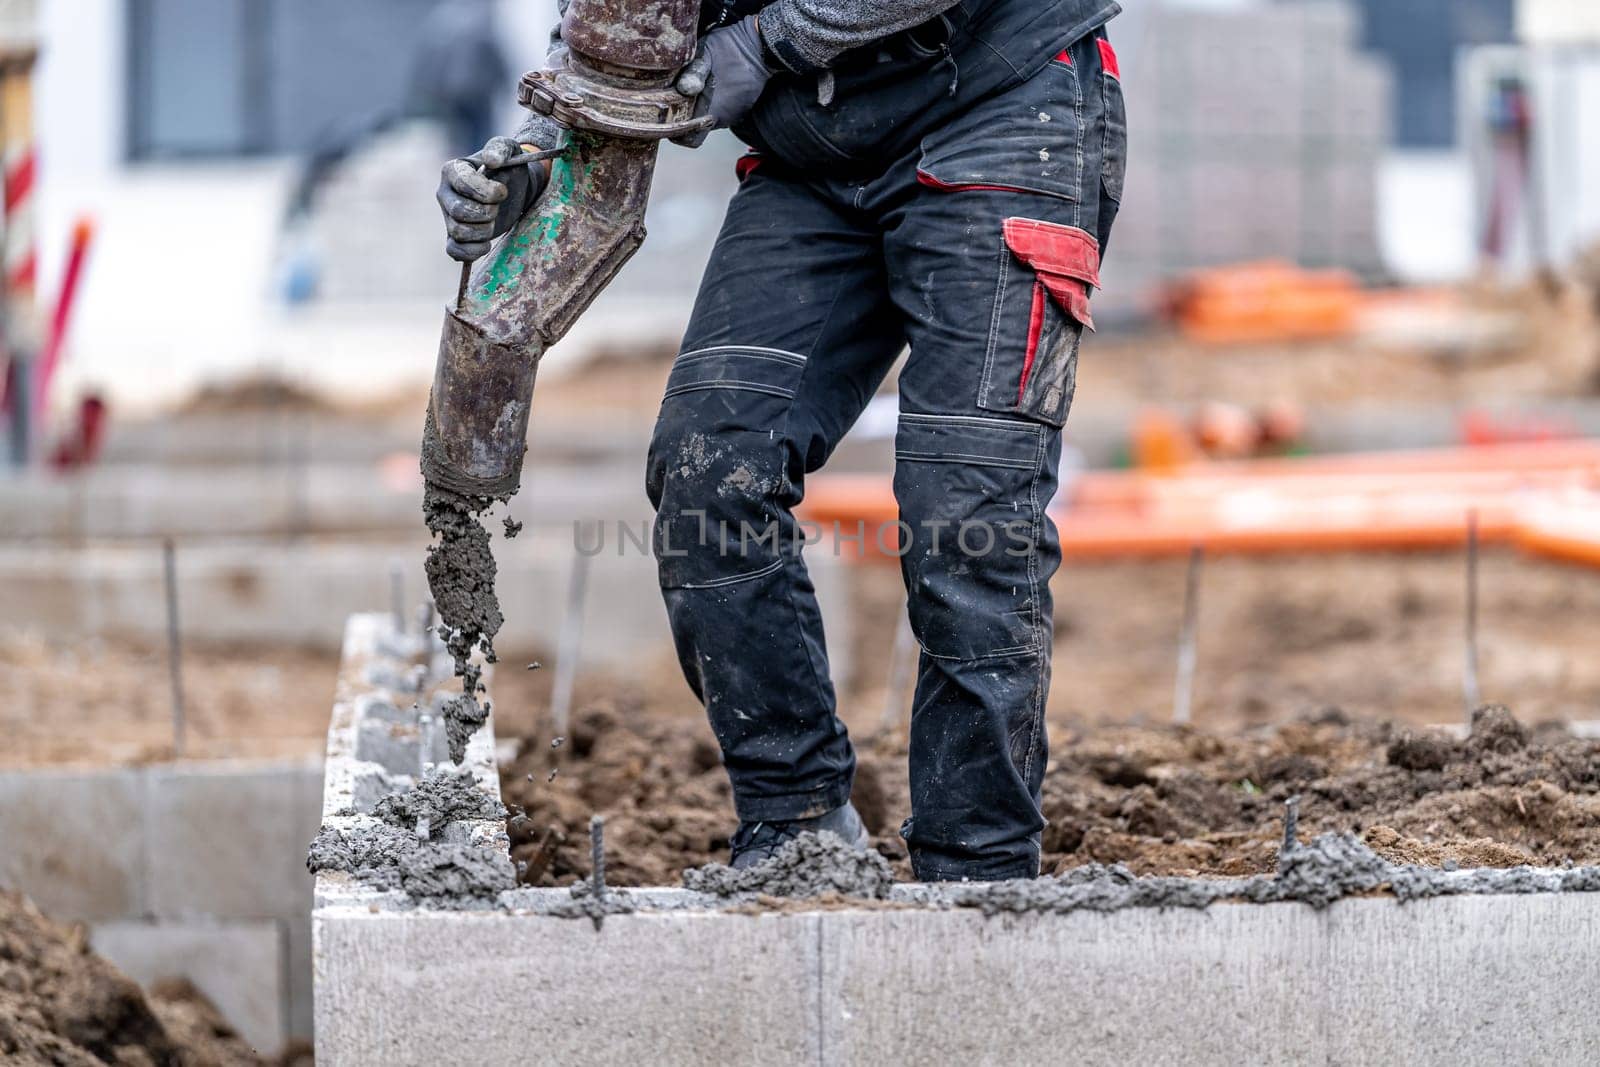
1254,133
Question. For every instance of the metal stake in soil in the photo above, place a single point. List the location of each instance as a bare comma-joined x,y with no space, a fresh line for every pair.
1469,680
169,566
1183,687
1291,826
569,644
597,856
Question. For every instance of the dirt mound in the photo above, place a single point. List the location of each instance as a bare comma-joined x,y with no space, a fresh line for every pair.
658,780
1161,800
61,1004
256,392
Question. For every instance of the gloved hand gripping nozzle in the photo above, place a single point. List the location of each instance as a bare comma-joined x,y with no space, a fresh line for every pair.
615,94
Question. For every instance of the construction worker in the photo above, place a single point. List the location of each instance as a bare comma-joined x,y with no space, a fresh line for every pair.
943,175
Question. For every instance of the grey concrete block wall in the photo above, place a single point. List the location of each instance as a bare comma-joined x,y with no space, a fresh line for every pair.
179,866
490,989
302,593
1465,980
1452,981
225,840
74,841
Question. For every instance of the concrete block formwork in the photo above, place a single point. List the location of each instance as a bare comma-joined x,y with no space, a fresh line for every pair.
186,870
1467,980
222,842
435,987
1463,980
73,840
934,974
239,591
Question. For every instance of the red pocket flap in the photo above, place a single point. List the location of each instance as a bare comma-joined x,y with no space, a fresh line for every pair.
1066,259
1108,59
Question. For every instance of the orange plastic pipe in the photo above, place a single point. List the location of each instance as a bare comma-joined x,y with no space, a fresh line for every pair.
1377,501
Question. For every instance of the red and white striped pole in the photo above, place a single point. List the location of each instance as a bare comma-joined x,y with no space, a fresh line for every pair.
21,166
19,259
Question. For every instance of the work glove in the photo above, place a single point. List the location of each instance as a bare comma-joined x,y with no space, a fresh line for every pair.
727,75
482,198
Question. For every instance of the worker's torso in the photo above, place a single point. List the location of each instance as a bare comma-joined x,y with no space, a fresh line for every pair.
884,98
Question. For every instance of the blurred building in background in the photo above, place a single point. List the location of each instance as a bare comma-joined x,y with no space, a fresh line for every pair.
185,128
1421,40
1528,120
1256,131
1330,133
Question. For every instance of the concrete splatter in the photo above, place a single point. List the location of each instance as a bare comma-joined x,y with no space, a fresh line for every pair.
1329,868
454,873
441,799
389,853
807,866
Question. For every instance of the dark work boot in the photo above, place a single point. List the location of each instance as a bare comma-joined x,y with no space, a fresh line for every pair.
757,841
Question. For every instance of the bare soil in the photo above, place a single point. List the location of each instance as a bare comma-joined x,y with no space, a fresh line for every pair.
1379,635
1376,635
94,701
1160,799
60,1004
1311,669
1541,346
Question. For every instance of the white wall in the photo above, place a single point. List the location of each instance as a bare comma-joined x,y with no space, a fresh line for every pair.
179,278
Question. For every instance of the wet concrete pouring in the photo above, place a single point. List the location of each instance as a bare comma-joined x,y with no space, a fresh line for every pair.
413,845
461,572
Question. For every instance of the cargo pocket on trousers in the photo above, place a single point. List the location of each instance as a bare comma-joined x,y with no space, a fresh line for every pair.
1047,272
718,465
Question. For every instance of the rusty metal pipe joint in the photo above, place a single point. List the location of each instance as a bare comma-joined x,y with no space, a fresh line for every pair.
616,96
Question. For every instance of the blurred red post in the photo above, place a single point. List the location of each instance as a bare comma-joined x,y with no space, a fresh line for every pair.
82,237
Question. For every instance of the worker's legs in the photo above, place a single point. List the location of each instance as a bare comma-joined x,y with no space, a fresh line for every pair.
993,236
791,335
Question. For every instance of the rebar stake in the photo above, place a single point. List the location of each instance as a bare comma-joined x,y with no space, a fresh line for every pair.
1291,825
1469,680
597,869
1183,686
597,855
169,566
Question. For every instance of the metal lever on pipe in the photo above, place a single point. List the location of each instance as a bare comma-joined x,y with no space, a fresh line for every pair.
514,161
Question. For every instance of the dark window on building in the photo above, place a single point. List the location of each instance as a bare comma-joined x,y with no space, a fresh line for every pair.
1421,39
252,77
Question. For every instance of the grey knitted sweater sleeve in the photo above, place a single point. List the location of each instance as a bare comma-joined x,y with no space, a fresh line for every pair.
808,35
805,36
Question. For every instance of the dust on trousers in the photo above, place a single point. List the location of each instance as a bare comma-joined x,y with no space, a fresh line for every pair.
979,248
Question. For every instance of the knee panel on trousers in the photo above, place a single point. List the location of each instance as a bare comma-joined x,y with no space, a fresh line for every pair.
970,503
718,465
